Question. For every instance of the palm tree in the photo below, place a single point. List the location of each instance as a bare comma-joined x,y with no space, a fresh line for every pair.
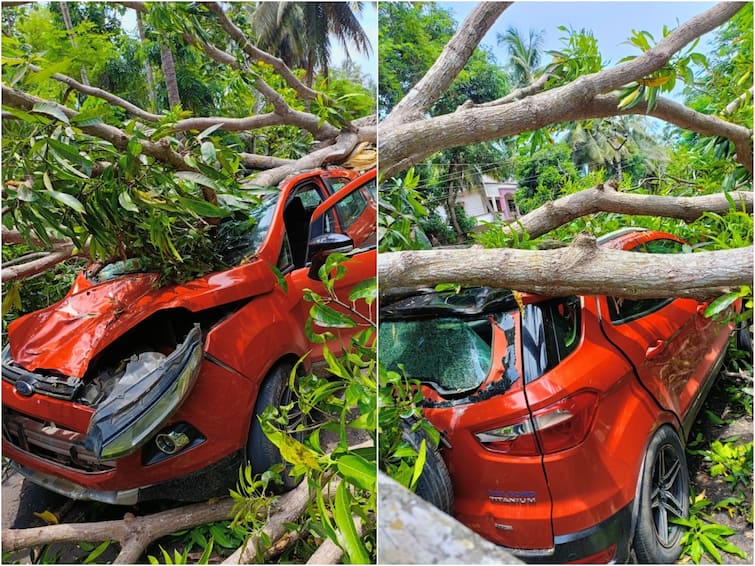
612,142
300,32
524,54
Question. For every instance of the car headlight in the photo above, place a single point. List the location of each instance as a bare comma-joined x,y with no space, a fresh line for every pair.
143,399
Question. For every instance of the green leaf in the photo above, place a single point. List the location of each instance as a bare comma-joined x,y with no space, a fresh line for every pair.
711,549
720,304
345,522
96,552
328,317
125,200
366,290
208,152
419,464
207,131
358,471
68,200
51,110
197,178
202,207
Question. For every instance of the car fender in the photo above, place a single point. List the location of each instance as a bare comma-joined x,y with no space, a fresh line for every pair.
272,329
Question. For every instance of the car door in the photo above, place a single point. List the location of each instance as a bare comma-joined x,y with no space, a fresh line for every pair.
669,341
345,222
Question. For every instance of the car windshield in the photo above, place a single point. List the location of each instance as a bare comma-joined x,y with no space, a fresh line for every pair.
451,353
237,239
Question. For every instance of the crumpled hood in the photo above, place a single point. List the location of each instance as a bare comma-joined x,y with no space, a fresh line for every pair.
65,336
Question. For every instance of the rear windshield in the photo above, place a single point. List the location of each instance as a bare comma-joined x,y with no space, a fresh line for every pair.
450,353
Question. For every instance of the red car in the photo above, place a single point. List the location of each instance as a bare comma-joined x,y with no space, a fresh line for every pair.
123,391
563,420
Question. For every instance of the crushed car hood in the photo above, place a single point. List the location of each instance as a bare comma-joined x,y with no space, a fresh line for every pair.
65,336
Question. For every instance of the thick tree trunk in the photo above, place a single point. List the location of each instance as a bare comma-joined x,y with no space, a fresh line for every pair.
579,269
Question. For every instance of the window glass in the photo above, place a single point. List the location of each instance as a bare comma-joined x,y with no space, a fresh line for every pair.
625,310
350,207
450,353
550,331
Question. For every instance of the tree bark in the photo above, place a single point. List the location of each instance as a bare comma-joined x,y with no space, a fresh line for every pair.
450,62
169,74
582,268
605,198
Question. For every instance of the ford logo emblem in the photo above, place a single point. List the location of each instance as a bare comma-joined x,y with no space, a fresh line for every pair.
24,388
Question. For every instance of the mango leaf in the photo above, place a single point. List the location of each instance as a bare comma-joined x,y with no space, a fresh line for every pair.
127,202
66,199
202,207
70,153
352,543
197,178
51,110
358,471
208,152
48,517
206,132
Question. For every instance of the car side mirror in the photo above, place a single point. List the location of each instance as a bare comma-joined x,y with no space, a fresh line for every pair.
322,246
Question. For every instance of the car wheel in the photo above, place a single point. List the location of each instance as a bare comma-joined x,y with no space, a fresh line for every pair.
262,453
744,337
664,495
434,484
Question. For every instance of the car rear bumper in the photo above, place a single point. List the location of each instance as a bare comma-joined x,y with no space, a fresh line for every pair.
607,542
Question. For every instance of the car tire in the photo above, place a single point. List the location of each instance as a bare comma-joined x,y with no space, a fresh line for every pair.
664,494
744,338
262,453
434,484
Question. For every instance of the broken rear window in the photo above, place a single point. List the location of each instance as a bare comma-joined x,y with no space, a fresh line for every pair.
450,353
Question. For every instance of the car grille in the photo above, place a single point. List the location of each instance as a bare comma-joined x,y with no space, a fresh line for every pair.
61,387
50,442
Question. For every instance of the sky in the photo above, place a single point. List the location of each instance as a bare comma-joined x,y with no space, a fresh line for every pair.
611,22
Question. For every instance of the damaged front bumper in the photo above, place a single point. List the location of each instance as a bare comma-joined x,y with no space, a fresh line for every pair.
144,399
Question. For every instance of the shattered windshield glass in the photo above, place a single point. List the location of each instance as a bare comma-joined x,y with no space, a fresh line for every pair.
238,239
450,352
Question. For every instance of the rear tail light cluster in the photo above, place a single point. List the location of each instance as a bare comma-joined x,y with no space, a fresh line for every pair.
559,426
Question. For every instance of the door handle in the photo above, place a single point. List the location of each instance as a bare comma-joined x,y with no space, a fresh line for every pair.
655,349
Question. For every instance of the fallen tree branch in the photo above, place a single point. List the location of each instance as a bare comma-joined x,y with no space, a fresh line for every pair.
605,198
287,511
329,552
581,268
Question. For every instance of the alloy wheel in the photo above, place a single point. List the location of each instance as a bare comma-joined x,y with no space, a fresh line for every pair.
667,495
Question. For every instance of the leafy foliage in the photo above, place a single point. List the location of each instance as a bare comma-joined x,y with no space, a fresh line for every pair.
704,537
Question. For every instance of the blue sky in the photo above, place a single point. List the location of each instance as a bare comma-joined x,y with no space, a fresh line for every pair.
611,22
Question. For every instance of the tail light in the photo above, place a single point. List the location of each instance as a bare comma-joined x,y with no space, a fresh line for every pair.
560,426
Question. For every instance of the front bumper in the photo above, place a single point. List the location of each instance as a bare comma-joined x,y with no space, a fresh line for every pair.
212,481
